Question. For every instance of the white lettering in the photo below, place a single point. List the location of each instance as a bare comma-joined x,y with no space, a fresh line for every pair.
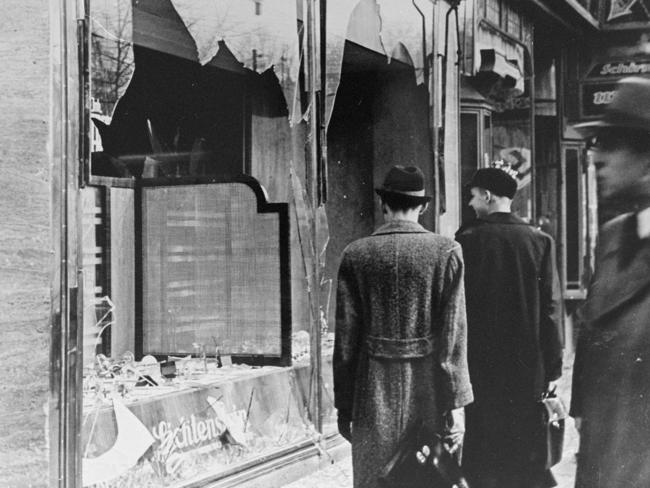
603,97
202,430
195,436
629,68
193,431
187,433
181,442
212,428
160,431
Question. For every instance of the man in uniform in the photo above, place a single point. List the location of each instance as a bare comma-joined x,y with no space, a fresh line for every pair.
400,350
611,379
514,336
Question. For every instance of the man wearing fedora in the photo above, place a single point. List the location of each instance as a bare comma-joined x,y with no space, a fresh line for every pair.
400,350
514,336
611,378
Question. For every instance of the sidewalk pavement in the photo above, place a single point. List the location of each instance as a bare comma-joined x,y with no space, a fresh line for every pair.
339,473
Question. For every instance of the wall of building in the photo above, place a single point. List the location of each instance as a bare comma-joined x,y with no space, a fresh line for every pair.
24,242
450,219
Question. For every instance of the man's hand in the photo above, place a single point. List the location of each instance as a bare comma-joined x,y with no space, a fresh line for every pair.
577,421
454,431
453,442
345,428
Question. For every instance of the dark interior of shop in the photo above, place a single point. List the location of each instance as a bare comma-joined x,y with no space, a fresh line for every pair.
379,119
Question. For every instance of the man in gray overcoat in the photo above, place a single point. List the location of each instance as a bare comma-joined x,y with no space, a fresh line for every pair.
400,350
611,378
514,336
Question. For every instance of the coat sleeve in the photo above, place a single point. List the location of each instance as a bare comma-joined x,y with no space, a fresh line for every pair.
455,386
577,382
580,363
551,314
349,320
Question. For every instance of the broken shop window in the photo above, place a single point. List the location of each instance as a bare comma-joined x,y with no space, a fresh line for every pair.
194,88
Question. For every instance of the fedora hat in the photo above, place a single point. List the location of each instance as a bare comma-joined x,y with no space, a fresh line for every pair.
629,108
405,182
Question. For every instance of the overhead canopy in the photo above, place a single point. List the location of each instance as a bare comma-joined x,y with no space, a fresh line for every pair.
494,51
493,61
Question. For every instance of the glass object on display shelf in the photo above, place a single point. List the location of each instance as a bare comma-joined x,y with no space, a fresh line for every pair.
142,429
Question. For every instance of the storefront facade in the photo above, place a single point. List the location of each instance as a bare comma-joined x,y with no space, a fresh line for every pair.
519,65
211,160
622,49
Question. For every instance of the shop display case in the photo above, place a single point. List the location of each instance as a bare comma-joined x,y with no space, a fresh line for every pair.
212,217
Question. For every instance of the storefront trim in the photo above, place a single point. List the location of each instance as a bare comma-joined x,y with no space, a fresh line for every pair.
281,467
500,32
625,26
574,7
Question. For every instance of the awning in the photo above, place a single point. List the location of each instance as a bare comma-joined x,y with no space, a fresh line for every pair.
493,61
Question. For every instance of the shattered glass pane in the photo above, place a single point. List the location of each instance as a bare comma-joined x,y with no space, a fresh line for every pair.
403,35
111,57
390,27
180,85
271,33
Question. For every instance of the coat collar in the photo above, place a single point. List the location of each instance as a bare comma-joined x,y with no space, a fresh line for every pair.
624,269
400,227
494,218
504,218
618,234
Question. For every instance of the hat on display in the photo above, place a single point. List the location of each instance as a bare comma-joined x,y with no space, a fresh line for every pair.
629,108
405,182
500,179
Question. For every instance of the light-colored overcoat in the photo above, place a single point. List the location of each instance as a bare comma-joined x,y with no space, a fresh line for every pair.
400,345
611,379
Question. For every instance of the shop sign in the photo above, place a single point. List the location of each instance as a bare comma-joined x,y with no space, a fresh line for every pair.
595,97
192,419
620,68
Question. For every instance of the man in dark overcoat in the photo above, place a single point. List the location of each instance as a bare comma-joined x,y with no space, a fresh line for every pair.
514,336
400,350
611,379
